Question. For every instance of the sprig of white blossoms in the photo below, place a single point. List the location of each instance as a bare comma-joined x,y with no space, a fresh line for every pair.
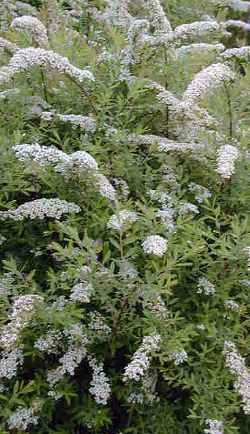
122,219
8,46
22,310
206,82
163,144
72,358
22,419
41,208
179,357
226,159
97,324
205,287
155,245
198,49
9,362
242,53
201,193
157,16
32,26
214,426
236,24
79,163
236,364
81,292
100,384
231,305
84,122
141,359
27,58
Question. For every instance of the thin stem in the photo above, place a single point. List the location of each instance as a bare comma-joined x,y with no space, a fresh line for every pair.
230,111
44,85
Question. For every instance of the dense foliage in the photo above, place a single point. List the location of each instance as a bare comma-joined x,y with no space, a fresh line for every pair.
125,228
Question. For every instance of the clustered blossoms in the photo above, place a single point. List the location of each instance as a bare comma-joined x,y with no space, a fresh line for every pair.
155,245
21,313
207,81
122,219
34,27
179,357
214,427
81,292
100,384
9,362
21,419
205,287
7,46
231,305
79,163
201,193
27,58
236,364
140,363
84,122
227,157
41,208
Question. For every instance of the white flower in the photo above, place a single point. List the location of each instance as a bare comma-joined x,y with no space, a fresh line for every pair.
179,357
100,384
122,219
206,82
227,157
237,366
81,292
21,419
155,245
215,426
41,208
9,362
27,58
205,287
231,305
33,26
8,46
140,363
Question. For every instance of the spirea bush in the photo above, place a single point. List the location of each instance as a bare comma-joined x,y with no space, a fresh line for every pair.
125,229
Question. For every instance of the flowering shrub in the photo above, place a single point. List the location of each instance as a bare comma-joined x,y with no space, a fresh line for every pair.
125,232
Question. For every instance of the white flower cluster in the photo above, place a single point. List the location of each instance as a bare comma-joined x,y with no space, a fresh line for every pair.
9,362
21,419
21,313
121,220
214,426
227,157
201,193
140,363
205,287
97,323
41,208
72,358
7,46
187,208
127,270
162,144
242,53
27,58
49,342
155,245
231,305
100,384
236,364
166,217
84,122
79,163
32,26
157,16
81,292
246,251
236,24
206,82
179,357
198,49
